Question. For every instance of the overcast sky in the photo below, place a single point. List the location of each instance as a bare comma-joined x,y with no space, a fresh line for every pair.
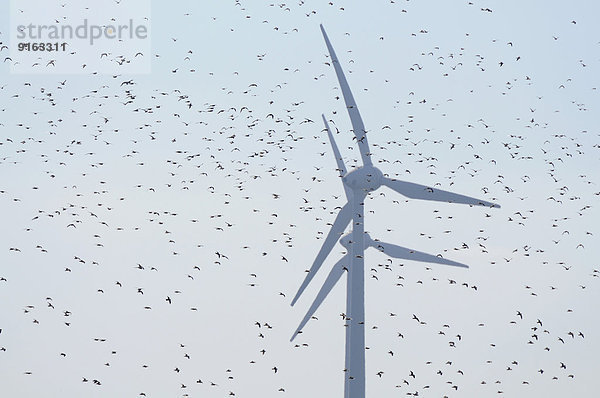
158,219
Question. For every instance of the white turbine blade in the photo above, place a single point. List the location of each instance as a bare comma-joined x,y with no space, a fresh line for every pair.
418,191
357,123
338,157
396,251
334,276
336,152
339,225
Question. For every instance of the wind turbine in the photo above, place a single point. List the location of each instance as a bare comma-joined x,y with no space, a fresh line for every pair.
357,184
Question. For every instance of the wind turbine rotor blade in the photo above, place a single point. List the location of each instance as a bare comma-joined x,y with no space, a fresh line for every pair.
423,192
357,123
336,152
334,276
339,225
396,251
338,157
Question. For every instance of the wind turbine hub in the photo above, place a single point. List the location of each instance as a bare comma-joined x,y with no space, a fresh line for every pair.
366,178
346,240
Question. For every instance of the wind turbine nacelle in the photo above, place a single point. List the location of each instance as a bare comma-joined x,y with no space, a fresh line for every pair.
367,178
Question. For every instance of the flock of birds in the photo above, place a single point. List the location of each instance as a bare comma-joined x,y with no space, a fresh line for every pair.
140,212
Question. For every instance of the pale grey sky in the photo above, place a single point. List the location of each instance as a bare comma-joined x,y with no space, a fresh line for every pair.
158,176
